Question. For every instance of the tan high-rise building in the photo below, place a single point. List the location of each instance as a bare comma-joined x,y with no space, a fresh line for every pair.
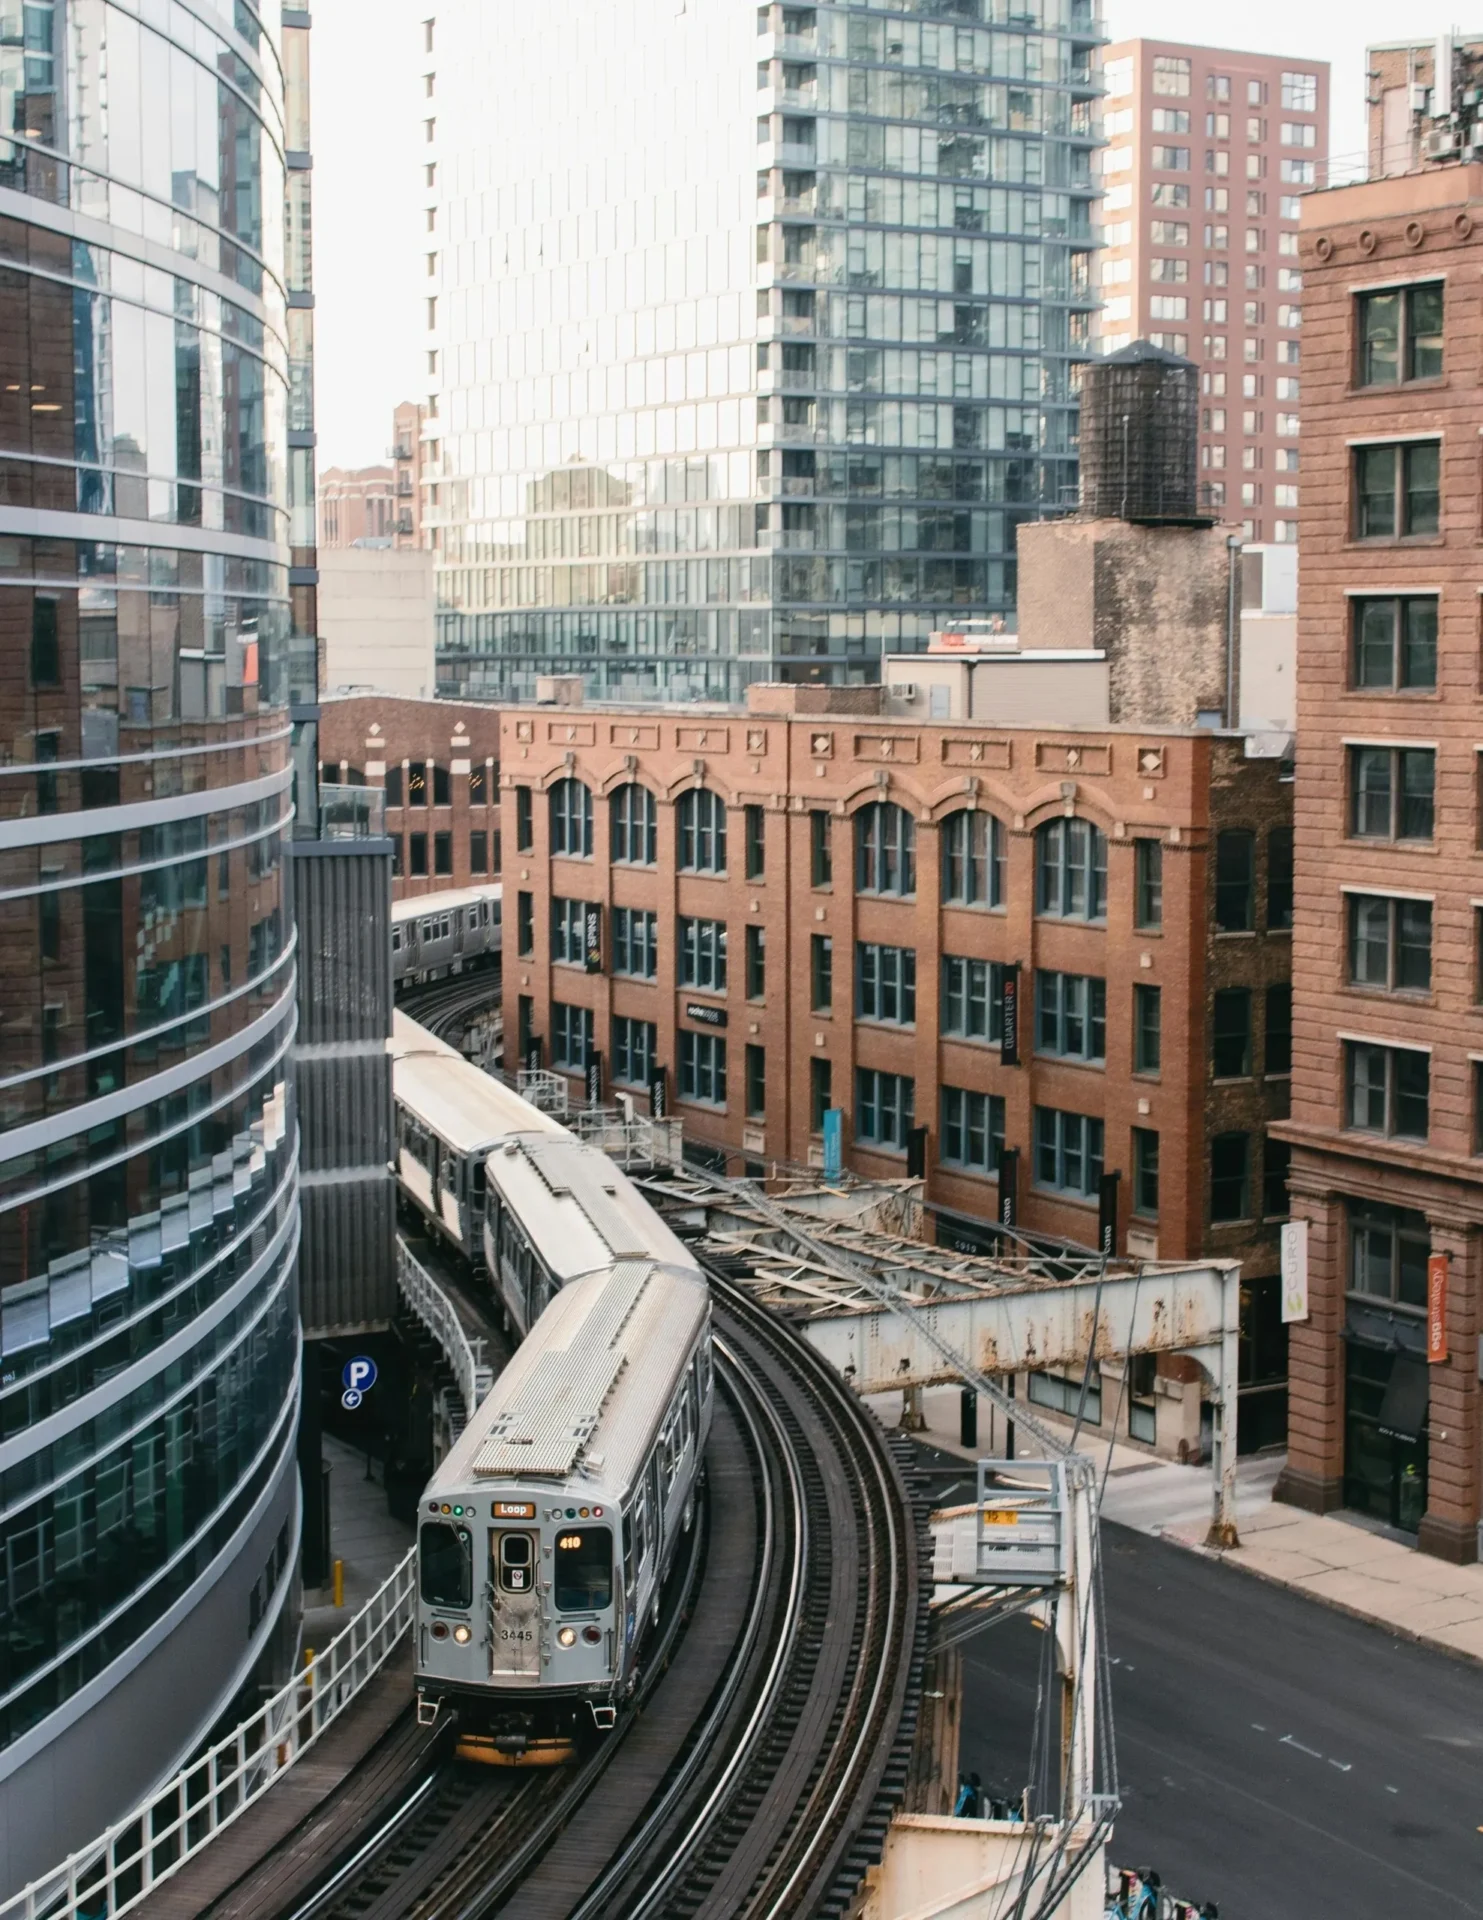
1208,155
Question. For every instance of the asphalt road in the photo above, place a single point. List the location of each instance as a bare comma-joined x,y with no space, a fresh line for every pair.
1275,1756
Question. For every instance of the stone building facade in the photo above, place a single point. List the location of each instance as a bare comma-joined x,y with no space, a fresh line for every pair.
809,904
1388,1008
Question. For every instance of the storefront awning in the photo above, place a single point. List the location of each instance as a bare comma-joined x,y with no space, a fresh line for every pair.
1403,1410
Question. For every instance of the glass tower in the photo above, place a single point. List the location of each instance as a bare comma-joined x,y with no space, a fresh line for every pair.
753,331
154,389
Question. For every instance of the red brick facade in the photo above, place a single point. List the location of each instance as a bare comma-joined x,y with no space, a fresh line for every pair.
442,758
1411,1169
799,753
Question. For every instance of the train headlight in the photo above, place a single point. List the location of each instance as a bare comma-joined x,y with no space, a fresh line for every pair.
462,1634
567,1636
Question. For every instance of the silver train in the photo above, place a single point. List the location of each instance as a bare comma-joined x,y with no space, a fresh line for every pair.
442,933
547,1533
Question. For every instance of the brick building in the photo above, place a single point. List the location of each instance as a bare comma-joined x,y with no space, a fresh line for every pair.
1388,1014
356,504
1208,154
819,902
438,761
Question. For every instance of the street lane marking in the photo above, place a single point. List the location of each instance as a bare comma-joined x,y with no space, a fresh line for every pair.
1259,1727
1288,1741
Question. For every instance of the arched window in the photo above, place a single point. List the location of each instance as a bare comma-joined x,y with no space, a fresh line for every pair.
571,819
635,816
1071,870
885,849
702,831
973,859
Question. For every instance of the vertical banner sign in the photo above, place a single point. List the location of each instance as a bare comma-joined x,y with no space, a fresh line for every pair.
1009,1187
1107,1214
659,1094
1009,1024
833,1142
533,1054
594,1079
1295,1270
1436,1307
592,936
916,1153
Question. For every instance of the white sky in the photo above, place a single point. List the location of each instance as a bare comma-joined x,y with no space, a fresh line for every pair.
368,109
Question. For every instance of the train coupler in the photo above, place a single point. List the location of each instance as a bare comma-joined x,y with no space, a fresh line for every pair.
427,1710
603,1718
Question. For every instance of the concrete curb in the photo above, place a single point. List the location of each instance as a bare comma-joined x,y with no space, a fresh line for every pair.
1387,1627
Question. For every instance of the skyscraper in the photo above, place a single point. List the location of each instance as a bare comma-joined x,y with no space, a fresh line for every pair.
1209,153
156,610
752,331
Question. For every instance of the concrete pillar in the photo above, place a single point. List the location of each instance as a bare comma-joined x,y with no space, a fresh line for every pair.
913,1417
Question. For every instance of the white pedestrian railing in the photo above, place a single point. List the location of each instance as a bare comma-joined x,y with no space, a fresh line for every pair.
437,1313
115,1872
631,1140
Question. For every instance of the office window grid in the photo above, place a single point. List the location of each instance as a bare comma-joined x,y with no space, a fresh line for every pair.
886,983
703,1068
884,1108
972,1130
703,954
635,942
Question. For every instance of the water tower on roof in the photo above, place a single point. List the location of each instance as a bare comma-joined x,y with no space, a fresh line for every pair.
1139,427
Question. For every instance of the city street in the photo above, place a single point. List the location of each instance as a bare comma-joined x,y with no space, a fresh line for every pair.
1275,1756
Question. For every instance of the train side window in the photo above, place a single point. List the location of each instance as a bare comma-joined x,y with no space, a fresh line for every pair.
447,1562
584,1569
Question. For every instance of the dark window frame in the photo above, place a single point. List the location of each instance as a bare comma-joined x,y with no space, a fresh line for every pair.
1389,508
821,973
1380,626
1235,891
1230,1177
1148,885
970,1117
1071,1016
885,984
1398,1088
885,851
972,856
1408,334
1231,1033
1398,763
1365,941
1071,865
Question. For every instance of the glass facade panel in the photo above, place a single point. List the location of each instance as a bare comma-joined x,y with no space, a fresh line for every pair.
762,386
150,505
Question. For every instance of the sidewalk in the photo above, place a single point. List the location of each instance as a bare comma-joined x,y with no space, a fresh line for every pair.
1335,1560
362,1534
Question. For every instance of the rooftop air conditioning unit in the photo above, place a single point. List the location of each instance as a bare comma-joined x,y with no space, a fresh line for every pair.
905,689
1440,142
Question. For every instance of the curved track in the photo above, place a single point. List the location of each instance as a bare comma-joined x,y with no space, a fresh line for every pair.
445,1007
768,1743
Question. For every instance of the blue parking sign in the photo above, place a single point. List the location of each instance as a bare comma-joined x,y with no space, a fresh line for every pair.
359,1376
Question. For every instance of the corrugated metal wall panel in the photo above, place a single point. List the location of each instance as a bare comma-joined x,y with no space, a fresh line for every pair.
347,1252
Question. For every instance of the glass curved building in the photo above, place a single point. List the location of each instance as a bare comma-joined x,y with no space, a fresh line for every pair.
753,330
154,395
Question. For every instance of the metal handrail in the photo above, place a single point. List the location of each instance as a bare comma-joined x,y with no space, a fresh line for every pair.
115,1872
437,1313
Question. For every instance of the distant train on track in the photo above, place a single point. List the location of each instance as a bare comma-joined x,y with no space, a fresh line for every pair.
547,1534
437,934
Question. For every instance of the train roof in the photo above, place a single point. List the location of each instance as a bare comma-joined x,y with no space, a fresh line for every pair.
579,1208
462,1104
416,905
589,1385
408,1038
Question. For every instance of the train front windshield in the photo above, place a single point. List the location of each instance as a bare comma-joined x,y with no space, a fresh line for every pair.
584,1569
446,1555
